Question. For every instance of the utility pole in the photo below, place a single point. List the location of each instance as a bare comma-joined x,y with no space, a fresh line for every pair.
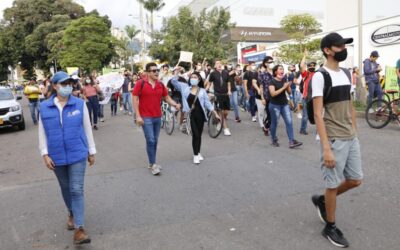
142,34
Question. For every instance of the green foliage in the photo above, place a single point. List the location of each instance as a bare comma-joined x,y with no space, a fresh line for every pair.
199,34
151,6
298,28
87,43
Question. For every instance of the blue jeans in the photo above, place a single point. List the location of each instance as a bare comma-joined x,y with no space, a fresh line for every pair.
151,129
304,119
234,103
93,108
101,111
374,89
71,179
241,95
293,97
34,108
276,111
127,97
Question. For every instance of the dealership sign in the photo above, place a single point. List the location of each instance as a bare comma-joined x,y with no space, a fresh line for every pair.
386,35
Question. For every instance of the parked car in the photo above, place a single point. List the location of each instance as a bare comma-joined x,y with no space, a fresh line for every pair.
11,114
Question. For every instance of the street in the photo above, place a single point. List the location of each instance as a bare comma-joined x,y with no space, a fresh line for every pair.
245,195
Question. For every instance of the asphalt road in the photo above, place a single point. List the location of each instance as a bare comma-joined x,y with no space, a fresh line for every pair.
245,195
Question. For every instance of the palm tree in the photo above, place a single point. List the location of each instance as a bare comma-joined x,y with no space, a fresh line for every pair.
151,6
131,31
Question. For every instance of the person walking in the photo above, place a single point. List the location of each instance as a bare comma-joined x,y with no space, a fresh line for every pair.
307,73
126,94
279,106
337,134
233,73
90,91
250,79
196,103
66,143
265,78
147,96
32,92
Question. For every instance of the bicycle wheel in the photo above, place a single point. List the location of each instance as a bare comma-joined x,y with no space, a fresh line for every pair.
169,123
378,116
214,126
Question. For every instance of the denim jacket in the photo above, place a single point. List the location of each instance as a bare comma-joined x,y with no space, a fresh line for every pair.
185,89
370,71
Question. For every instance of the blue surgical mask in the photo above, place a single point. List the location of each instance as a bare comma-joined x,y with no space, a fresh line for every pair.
65,91
194,82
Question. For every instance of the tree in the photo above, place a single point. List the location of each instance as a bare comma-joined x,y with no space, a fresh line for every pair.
151,6
87,43
7,52
24,17
298,28
131,31
199,34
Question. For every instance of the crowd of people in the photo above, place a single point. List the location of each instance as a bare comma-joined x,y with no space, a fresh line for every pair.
266,92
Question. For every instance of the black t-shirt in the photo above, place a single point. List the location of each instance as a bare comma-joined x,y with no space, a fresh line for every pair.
281,98
76,87
175,94
250,76
232,81
125,86
216,77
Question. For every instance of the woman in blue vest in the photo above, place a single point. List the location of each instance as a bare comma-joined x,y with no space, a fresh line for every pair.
66,143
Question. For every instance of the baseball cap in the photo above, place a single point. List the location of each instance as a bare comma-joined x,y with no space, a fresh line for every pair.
60,76
334,39
375,53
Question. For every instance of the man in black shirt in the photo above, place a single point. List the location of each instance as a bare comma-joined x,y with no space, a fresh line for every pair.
126,95
234,97
249,81
219,78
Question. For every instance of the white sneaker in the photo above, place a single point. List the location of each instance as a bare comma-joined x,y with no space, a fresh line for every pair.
227,132
254,119
201,158
130,113
371,111
155,170
102,119
196,159
299,115
120,109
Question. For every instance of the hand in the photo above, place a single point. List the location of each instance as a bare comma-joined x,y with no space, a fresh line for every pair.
286,85
229,93
217,115
139,121
178,107
91,160
49,162
264,102
329,159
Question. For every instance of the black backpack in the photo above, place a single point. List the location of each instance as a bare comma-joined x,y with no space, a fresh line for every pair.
326,92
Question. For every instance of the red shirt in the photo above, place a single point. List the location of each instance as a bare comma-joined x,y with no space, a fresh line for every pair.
307,76
150,98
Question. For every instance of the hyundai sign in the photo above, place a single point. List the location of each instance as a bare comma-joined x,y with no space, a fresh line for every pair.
386,35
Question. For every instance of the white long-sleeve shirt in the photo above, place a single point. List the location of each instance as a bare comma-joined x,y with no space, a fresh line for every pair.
86,126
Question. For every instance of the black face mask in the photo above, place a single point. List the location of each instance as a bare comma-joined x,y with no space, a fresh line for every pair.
311,69
340,56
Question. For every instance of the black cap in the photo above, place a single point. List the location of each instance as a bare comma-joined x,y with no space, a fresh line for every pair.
311,64
334,39
375,53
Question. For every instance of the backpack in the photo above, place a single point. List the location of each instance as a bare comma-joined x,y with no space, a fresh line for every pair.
302,82
326,92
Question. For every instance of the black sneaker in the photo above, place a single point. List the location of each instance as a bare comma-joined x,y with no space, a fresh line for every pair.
275,143
303,132
335,236
319,203
295,144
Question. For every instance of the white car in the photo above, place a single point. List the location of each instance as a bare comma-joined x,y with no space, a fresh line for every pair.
10,110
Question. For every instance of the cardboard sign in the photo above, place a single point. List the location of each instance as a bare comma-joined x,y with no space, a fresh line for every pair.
186,56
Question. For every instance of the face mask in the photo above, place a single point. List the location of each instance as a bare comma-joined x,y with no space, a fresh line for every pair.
194,82
311,69
253,68
340,56
271,65
65,91
88,81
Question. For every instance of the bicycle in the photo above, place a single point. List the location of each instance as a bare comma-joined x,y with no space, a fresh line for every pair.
168,118
379,113
214,124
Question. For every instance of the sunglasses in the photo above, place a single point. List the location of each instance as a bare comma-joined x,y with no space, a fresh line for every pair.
154,70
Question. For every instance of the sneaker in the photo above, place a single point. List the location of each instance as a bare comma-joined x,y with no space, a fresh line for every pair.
227,132
299,115
95,127
243,109
70,223
238,120
371,111
335,236
155,169
201,158
196,159
319,203
102,119
295,144
254,119
81,237
120,109
303,132
275,143
130,113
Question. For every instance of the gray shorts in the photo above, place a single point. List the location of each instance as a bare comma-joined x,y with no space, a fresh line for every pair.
348,162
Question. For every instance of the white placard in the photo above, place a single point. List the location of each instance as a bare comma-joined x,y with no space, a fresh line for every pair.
109,84
186,56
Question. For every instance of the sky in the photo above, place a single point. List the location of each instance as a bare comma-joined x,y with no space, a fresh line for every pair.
119,10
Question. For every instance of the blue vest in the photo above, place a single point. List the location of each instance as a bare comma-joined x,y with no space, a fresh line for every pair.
66,142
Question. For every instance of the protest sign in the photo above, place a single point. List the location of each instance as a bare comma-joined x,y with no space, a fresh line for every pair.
109,84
